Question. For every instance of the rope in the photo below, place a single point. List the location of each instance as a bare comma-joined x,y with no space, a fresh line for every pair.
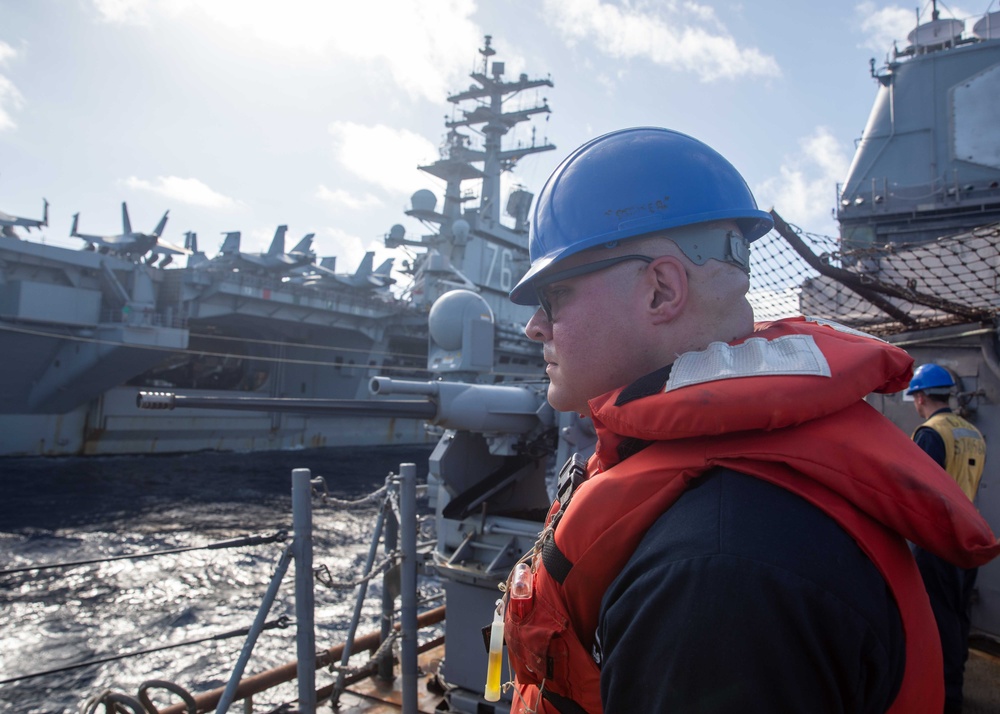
113,702
281,622
320,488
277,537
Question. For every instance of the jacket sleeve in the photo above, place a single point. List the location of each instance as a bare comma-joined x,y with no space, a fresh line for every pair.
744,598
932,443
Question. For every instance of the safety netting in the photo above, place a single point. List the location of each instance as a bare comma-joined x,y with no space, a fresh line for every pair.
882,290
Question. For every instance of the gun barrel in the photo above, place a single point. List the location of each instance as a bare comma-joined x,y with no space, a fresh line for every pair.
496,408
412,408
387,385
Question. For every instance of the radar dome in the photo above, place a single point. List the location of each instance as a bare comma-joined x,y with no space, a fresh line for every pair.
936,32
460,230
451,312
423,200
988,27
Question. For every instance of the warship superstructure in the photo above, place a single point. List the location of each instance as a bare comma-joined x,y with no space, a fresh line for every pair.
918,254
80,330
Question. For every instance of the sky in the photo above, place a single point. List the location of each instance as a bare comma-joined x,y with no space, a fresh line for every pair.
246,114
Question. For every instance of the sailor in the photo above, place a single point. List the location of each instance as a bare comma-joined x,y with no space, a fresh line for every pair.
738,540
959,448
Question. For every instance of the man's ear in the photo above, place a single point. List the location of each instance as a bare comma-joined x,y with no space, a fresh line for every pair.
668,286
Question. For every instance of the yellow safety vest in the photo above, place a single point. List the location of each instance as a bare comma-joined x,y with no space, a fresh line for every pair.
964,447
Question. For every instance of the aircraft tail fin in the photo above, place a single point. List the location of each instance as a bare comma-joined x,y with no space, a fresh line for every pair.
191,241
126,223
365,268
304,246
384,269
278,243
232,243
158,231
45,212
72,231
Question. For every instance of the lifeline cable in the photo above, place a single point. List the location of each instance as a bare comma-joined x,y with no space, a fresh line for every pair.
277,537
281,622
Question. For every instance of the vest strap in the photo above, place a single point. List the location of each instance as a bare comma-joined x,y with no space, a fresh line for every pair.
556,564
564,705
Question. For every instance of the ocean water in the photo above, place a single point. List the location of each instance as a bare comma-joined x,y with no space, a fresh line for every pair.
74,509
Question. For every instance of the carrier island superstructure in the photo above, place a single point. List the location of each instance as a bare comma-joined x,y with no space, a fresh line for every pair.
80,330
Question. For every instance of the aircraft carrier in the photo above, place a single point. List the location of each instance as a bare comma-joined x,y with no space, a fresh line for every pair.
81,330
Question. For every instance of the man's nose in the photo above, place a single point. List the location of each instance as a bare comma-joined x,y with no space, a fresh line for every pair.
538,328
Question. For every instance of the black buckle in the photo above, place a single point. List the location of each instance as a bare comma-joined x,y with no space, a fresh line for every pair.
572,474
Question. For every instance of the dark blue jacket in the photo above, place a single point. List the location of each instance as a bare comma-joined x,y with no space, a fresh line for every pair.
735,593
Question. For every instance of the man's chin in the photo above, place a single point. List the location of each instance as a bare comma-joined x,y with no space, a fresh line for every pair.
561,403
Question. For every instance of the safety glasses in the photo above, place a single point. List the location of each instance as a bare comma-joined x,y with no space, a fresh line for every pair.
585,269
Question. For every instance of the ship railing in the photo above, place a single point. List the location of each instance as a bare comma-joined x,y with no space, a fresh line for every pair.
36,570
397,527
143,317
332,294
880,195
397,521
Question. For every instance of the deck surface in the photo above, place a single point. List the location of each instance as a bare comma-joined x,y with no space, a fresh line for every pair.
375,696
982,683
372,696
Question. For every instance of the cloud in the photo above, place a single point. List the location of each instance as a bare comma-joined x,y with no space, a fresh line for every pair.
348,249
882,26
381,155
804,191
340,197
185,190
125,12
687,38
11,99
403,37
7,52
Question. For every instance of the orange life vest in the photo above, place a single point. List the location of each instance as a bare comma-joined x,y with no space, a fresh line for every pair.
799,423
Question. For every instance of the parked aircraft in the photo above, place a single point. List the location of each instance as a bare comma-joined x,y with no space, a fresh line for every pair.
130,244
275,260
363,277
9,222
195,257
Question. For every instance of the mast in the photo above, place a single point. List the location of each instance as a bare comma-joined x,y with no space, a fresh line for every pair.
495,124
470,246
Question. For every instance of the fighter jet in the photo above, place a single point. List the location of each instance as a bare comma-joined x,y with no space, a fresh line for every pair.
133,245
9,222
363,277
196,258
275,260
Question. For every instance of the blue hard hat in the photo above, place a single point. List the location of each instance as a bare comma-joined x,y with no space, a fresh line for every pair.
930,377
630,183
